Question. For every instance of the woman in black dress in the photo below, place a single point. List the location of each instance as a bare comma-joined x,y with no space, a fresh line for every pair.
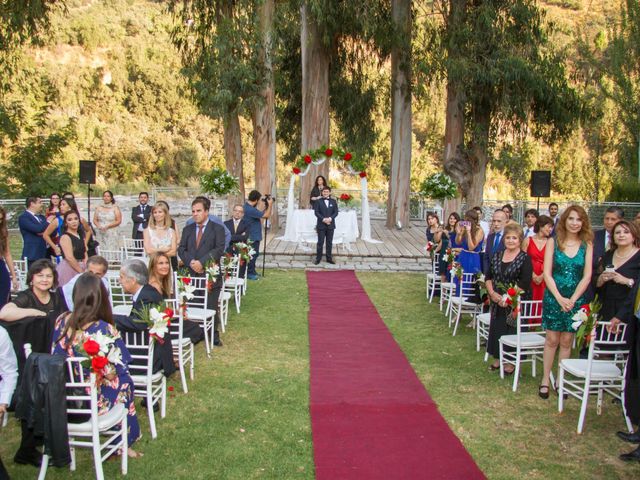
509,267
30,317
74,249
316,191
616,277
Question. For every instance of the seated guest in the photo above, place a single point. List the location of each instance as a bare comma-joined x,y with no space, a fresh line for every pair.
508,267
74,249
530,217
38,300
134,278
98,266
534,247
8,379
92,315
237,226
617,272
160,278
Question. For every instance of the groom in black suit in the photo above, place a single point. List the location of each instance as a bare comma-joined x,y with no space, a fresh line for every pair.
202,241
134,278
326,210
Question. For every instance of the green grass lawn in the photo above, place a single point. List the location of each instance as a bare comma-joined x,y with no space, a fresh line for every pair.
246,414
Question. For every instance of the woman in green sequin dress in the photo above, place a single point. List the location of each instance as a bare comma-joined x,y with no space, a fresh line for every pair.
567,274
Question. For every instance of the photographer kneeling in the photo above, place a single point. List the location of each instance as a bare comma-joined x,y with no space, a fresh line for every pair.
255,209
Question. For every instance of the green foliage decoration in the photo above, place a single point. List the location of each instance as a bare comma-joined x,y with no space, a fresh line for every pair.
219,182
438,186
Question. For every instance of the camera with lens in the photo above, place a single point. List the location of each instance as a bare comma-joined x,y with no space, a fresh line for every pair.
266,198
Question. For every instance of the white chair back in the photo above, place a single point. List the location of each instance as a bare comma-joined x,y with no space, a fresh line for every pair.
118,295
133,247
114,257
467,285
610,345
528,312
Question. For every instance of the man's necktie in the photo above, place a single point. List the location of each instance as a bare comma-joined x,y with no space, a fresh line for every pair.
199,235
496,241
607,242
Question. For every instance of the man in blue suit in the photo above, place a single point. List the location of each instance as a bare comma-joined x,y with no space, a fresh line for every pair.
326,210
495,240
32,225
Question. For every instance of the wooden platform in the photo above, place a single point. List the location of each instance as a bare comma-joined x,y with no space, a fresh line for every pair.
401,250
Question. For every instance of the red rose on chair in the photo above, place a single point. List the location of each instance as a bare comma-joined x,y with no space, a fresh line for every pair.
91,347
296,170
186,280
363,174
98,363
168,313
307,159
347,157
328,152
511,292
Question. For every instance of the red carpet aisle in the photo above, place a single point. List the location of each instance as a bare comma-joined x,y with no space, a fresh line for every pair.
371,417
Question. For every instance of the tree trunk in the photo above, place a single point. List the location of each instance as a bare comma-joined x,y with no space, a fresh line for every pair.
315,98
478,156
455,161
233,154
399,182
264,129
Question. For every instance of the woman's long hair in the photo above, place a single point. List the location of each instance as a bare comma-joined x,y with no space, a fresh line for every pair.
324,180
585,234
447,227
90,304
4,232
165,282
473,217
167,216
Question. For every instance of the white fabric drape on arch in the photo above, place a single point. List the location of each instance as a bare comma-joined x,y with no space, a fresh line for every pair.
289,234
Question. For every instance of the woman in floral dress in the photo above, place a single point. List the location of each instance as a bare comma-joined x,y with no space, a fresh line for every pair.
92,317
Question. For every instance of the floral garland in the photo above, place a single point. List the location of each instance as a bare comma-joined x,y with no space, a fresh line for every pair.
185,293
584,322
315,156
245,252
101,354
345,198
438,186
455,268
431,248
158,319
219,182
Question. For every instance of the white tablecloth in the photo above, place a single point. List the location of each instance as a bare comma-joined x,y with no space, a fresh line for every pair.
304,223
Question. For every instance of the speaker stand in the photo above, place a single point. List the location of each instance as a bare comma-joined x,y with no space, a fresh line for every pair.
538,205
89,203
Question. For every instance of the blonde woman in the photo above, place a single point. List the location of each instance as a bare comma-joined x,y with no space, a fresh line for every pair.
159,237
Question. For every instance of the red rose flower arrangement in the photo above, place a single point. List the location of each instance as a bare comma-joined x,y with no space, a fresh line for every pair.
101,354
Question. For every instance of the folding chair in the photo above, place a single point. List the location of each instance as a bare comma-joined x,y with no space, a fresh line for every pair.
433,277
183,349
603,371
82,399
234,284
114,257
483,321
197,310
21,269
148,385
528,344
121,301
460,303
133,247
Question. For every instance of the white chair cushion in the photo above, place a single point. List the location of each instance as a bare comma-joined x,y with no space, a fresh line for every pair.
526,340
105,422
464,302
225,295
599,370
142,379
199,313
484,318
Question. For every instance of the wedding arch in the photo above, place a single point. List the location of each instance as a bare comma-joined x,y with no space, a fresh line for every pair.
349,165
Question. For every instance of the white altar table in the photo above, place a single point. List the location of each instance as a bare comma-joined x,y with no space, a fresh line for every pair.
304,222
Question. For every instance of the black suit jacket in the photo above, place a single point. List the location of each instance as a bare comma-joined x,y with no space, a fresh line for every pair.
239,235
163,353
137,220
322,211
211,245
489,251
599,246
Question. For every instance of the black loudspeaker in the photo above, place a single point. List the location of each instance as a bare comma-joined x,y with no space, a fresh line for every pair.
541,183
88,171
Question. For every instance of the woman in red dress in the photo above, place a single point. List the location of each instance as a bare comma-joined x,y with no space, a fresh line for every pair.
534,247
